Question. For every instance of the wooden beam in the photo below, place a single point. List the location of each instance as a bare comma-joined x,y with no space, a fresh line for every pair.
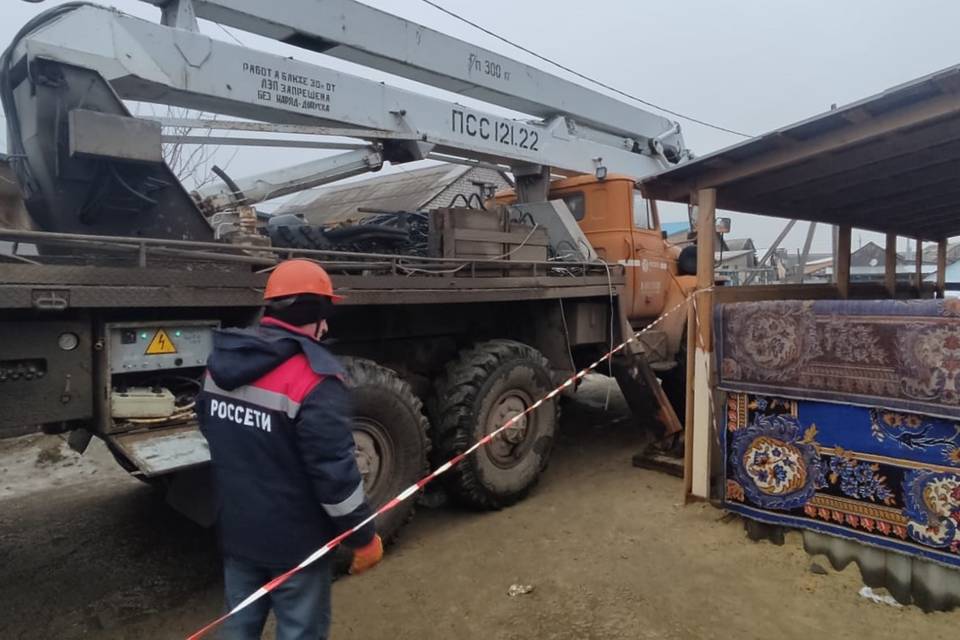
907,202
727,295
702,436
890,266
689,408
924,150
934,218
906,226
854,134
918,259
844,234
941,267
878,186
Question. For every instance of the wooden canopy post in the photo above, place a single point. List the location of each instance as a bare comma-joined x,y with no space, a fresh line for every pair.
941,268
701,435
691,367
890,266
844,235
919,265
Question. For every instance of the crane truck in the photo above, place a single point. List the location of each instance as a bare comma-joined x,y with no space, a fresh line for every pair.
107,324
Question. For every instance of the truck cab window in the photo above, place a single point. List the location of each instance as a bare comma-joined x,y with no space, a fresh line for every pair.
577,205
642,215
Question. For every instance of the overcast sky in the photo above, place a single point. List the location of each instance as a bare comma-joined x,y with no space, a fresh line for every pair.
749,65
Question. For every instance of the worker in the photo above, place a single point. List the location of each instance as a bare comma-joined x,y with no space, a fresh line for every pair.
276,413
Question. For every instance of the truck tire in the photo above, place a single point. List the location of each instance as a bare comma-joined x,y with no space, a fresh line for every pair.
390,431
482,389
303,236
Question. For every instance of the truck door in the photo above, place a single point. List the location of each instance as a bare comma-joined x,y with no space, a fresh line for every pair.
650,261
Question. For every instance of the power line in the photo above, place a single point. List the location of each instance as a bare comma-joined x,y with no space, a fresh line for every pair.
580,75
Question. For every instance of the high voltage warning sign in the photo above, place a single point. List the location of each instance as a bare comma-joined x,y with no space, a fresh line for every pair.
160,344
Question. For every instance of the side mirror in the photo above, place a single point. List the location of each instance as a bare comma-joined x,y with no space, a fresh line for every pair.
663,234
723,225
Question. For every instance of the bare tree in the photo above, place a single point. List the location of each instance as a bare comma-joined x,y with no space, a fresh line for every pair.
191,163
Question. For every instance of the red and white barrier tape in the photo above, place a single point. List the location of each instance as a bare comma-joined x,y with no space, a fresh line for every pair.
409,492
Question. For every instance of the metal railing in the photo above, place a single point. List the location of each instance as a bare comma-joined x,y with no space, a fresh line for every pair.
268,256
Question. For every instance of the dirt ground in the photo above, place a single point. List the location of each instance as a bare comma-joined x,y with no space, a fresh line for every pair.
86,552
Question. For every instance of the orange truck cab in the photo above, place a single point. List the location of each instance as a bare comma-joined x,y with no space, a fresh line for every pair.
624,228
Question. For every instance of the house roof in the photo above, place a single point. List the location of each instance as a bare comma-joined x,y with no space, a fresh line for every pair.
930,252
952,274
887,163
405,190
727,256
871,255
740,244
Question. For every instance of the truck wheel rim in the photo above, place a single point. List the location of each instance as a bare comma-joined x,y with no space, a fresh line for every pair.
373,453
507,449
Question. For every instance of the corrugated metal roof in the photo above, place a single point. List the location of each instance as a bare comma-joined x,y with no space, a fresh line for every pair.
888,163
405,190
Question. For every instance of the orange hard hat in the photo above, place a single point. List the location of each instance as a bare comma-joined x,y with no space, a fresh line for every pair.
295,277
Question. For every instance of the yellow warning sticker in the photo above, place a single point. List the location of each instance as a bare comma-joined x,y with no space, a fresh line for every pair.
160,344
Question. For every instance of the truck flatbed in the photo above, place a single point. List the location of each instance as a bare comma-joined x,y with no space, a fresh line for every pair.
169,273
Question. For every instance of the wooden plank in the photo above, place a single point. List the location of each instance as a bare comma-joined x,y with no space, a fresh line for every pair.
538,237
448,241
918,276
727,295
469,250
667,416
843,260
703,411
689,408
861,291
858,169
798,210
904,204
526,253
890,265
476,219
637,355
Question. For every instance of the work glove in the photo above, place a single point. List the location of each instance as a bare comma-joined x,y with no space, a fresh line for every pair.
367,557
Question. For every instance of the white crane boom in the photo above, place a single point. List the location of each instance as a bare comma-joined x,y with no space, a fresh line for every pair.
155,63
353,31
281,182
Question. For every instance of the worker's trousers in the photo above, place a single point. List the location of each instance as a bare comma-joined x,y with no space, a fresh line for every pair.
301,604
